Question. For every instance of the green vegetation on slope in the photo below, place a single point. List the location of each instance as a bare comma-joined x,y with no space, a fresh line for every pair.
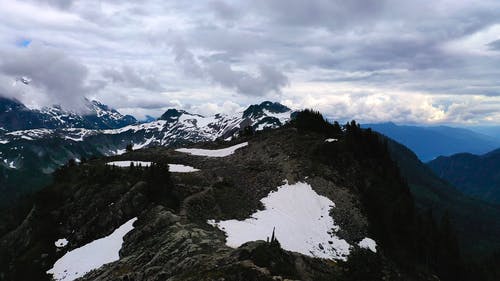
475,175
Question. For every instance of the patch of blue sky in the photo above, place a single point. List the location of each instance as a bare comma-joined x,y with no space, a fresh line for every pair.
23,43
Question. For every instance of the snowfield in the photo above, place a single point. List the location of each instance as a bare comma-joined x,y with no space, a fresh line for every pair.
78,262
178,168
213,152
173,168
368,243
301,219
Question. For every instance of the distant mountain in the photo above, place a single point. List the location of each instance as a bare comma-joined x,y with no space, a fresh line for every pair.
492,131
475,175
473,219
40,151
15,116
149,118
431,142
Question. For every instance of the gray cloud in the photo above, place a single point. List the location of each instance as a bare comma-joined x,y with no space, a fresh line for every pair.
267,80
186,60
130,78
494,45
224,10
252,49
61,4
333,14
60,79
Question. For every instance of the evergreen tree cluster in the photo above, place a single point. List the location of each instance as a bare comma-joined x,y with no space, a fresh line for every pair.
310,120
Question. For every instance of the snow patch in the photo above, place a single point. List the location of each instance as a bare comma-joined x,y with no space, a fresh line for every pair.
10,164
283,117
368,243
301,219
118,152
331,140
80,138
146,143
60,243
154,126
213,153
178,168
78,262
127,163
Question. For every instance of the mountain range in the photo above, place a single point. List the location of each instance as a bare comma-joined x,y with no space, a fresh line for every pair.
305,201
192,204
15,116
474,175
29,156
434,141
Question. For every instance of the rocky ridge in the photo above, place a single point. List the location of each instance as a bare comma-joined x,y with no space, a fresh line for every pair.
172,240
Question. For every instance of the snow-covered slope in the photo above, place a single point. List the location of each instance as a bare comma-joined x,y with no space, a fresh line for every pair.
301,221
78,262
15,116
44,149
173,127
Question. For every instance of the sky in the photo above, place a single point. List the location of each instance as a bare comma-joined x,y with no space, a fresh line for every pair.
413,62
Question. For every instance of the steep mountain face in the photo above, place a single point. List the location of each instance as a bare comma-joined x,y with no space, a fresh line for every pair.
431,142
14,116
41,151
267,115
176,237
474,175
473,219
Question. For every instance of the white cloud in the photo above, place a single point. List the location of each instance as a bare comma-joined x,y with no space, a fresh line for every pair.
54,76
367,105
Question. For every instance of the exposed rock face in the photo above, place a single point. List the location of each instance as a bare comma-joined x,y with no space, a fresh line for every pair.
174,250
